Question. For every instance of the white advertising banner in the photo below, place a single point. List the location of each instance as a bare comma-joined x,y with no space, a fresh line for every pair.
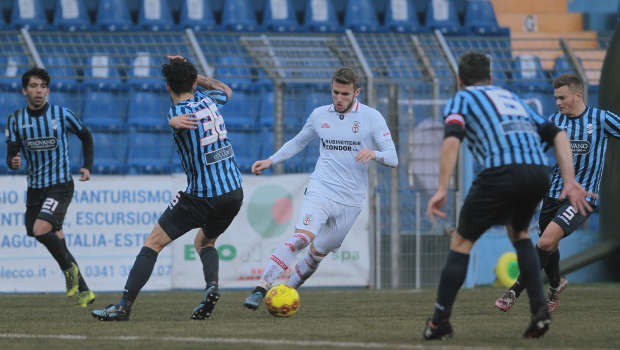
110,216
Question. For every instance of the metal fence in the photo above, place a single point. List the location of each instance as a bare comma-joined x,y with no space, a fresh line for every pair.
113,83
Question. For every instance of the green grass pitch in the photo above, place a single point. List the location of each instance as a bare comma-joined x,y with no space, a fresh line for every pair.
588,317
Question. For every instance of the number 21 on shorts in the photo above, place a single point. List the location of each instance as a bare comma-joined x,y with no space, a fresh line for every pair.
212,124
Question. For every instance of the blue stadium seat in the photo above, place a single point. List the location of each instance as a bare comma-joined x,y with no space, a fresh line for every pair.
247,145
111,152
238,15
234,71
500,74
361,16
197,14
480,18
104,110
75,154
242,111
72,16
441,14
101,73
401,16
4,25
14,67
295,164
113,16
320,16
279,16
403,67
148,110
528,74
10,101
62,73
562,66
30,14
155,16
151,152
145,73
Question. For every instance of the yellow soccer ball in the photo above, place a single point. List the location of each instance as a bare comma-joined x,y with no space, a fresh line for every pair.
282,301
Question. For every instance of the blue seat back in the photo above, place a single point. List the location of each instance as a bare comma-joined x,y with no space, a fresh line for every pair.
155,15
62,73
71,16
480,18
401,16
113,15
198,15
110,152
361,16
441,14
105,111
151,152
238,15
320,16
145,73
29,14
101,72
10,101
563,66
234,71
148,110
529,76
279,16
14,67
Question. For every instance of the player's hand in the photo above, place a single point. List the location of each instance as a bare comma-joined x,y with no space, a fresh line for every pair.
261,165
365,155
435,203
184,121
85,174
577,196
177,57
17,162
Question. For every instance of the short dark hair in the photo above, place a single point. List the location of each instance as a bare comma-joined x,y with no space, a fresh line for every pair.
569,79
37,73
180,75
474,67
346,76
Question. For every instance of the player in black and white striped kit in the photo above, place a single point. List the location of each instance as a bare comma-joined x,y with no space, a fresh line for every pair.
38,132
588,129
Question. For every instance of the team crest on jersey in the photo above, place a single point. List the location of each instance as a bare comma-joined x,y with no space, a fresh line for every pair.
54,124
356,126
590,129
341,117
307,219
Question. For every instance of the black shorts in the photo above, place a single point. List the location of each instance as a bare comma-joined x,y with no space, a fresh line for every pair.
213,214
562,213
49,204
506,195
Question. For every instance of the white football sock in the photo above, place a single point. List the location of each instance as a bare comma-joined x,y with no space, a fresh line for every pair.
304,269
282,258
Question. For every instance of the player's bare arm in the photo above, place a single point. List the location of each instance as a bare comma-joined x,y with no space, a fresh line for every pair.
184,121
261,165
570,188
447,162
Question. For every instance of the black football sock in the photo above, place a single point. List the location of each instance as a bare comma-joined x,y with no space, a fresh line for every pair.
518,287
530,273
543,257
210,264
553,269
452,278
139,274
55,247
82,286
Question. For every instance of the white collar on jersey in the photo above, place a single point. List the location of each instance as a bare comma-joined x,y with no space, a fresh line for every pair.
355,108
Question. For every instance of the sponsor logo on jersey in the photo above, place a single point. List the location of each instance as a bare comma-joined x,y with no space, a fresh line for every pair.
515,126
218,155
340,145
325,126
307,219
54,124
356,126
580,147
42,144
26,126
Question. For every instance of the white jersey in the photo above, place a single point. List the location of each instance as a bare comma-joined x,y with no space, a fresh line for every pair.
338,176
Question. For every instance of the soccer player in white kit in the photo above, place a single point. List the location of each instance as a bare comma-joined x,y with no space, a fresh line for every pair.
335,195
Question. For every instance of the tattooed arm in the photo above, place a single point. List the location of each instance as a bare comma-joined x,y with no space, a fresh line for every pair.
212,84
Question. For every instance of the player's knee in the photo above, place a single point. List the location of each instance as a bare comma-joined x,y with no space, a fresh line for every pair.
545,243
156,242
316,252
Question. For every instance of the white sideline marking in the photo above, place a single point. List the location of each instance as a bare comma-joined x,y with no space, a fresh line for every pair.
263,341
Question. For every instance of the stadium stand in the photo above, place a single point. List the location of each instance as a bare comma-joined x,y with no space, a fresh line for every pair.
72,16
150,152
320,16
113,15
111,152
279,16
480,18
238,15
360,16
441,14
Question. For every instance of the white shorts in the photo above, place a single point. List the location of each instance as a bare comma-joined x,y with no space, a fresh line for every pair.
329,221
